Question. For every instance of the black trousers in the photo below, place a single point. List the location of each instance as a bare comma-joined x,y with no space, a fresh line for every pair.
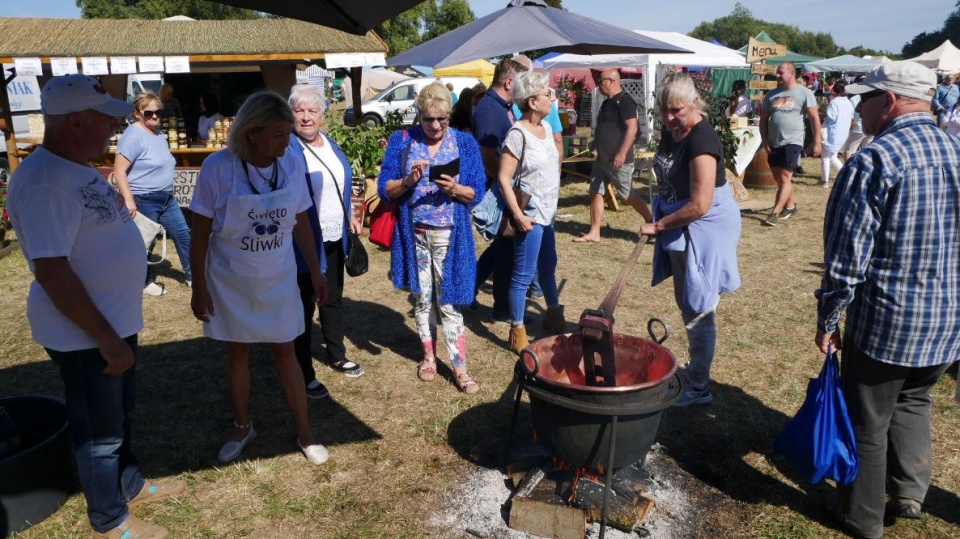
331,313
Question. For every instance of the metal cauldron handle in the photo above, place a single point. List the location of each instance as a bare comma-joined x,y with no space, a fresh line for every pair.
536,363
653,336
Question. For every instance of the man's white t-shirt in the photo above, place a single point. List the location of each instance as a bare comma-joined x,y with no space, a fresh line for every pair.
64,209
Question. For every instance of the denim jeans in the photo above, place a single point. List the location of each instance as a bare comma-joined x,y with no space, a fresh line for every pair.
497,259
99,408
163,208
701,327
535,253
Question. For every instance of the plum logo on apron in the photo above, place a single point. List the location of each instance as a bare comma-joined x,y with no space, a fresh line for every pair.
264,226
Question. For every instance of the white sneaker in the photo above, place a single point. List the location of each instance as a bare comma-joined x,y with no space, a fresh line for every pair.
316,454
154,289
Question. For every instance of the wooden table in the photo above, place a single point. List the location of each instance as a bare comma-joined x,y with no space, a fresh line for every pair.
643,160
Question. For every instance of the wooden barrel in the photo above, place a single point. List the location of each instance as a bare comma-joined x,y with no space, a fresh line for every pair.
758,174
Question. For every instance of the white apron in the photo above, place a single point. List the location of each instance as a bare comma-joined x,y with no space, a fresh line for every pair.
251,270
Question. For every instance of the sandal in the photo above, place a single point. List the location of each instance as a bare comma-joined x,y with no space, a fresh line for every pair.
427,370
467,384
351,369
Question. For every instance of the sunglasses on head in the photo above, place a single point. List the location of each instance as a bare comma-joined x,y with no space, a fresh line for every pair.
151,113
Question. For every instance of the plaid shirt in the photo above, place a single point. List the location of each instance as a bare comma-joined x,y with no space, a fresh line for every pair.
892,246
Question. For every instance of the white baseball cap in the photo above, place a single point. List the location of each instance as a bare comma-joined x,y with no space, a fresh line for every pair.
905,78
76,93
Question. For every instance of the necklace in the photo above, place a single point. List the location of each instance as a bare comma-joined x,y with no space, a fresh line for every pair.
271,181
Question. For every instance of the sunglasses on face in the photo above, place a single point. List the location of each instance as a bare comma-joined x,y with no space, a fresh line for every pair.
151,113
430,119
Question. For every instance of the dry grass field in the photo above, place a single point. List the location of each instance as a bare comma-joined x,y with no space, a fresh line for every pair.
399,446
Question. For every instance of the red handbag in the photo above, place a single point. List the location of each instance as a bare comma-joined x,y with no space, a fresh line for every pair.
382,222
383,219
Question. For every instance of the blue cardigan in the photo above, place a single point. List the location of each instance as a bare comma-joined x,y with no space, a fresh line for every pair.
460,266
316,179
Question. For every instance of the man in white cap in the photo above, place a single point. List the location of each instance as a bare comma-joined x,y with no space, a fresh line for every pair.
84,305
892,262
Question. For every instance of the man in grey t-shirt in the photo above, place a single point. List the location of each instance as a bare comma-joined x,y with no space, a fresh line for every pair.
781,131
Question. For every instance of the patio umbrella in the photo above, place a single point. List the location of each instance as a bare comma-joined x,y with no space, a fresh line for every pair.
354,16
526,25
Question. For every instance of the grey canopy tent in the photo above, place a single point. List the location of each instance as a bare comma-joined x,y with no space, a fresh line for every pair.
526,25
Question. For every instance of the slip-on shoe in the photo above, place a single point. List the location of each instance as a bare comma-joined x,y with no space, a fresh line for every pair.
232,449
316,454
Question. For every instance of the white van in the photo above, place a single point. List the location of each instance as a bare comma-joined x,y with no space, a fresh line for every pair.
400,97
143,82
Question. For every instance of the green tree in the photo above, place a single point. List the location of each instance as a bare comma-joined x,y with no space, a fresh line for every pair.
160,9
925,41
736,29
424,22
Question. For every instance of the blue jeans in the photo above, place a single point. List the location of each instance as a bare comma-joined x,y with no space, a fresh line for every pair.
99,408
535,253
163,208
701,327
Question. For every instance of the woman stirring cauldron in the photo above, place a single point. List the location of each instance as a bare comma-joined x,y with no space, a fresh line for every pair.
249,206
696,224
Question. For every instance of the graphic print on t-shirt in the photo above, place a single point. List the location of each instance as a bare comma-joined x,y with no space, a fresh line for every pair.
662,164
103,199
786,103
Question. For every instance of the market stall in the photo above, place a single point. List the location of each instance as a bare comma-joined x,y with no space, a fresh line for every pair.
268,51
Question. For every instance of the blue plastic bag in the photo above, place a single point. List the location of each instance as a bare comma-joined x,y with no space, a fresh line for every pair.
819,440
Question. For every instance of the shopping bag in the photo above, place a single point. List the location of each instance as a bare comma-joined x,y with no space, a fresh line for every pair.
383,220
819,440
149,229
357,262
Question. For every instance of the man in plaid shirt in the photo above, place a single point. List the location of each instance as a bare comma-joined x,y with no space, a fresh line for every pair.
892,255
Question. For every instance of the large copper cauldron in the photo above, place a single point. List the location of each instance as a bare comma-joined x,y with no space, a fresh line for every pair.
573,420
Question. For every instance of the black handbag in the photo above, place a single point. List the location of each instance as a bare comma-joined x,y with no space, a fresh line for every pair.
508,226
356,263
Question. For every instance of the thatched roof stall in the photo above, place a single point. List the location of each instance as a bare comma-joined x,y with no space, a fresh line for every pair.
275,47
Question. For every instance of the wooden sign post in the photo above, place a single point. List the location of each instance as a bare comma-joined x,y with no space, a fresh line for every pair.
761,51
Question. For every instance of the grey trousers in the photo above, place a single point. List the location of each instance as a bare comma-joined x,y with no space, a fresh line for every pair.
889,407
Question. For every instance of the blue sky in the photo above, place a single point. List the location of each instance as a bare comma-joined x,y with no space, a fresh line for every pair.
879,24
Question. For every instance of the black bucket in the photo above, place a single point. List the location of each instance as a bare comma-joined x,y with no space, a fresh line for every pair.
573,420
38,475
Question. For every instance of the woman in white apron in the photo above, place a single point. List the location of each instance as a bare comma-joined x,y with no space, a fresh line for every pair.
249,207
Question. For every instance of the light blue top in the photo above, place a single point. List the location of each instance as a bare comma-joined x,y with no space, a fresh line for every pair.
152,164
553,118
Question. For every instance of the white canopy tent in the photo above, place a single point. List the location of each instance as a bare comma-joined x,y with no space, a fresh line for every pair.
655,66
945,58
846,63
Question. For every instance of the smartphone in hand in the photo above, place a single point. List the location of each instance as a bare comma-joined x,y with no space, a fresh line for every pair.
450,169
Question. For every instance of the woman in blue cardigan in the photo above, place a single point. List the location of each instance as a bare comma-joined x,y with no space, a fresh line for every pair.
432,253
329,183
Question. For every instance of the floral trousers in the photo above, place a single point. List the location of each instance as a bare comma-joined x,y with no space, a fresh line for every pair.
431,250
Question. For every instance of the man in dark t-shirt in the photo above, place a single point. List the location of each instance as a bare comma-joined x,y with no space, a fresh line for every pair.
613,140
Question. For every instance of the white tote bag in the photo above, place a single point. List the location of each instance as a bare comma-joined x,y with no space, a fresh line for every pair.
149,230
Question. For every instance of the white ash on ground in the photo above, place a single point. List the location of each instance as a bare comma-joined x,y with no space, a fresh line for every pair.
474,507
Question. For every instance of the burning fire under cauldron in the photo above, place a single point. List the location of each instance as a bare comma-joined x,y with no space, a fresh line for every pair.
596,399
